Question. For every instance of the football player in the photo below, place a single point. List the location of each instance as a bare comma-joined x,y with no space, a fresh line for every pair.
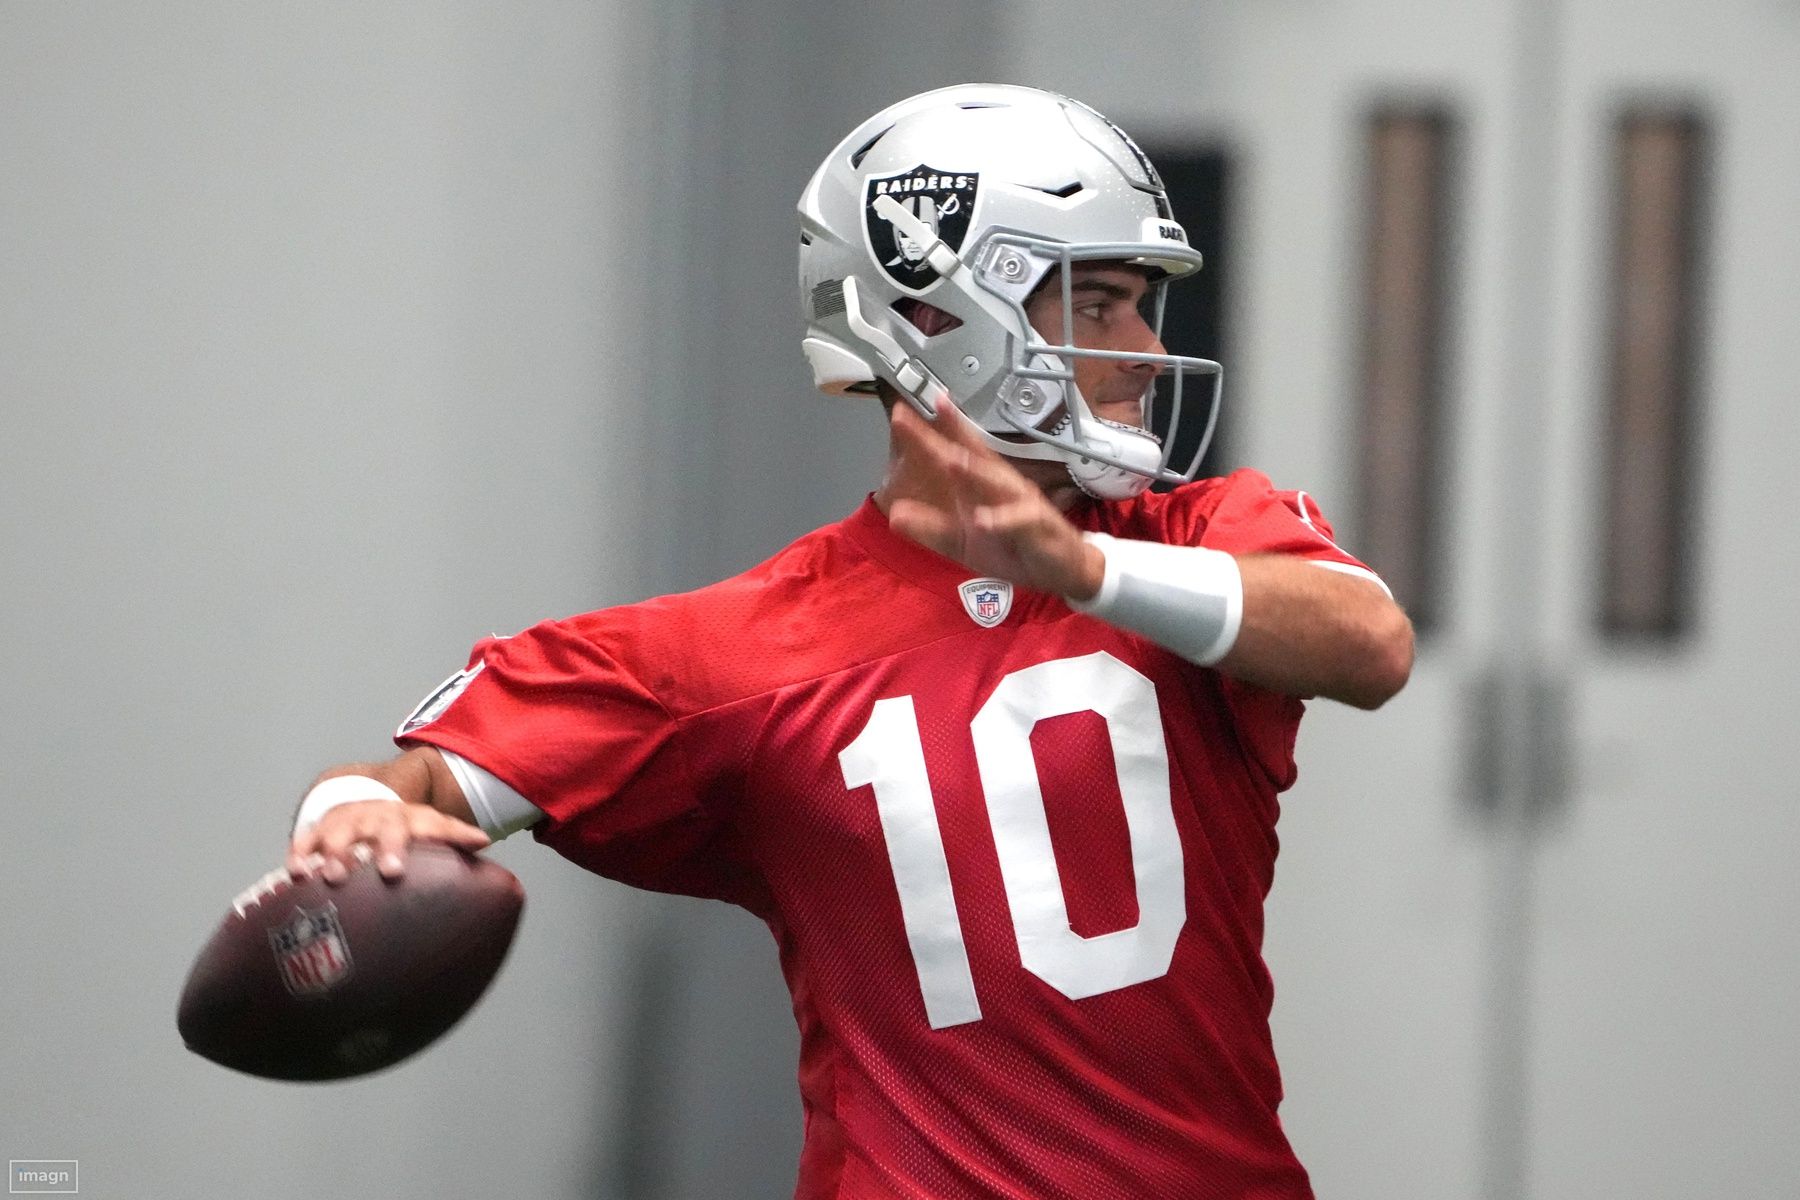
997,756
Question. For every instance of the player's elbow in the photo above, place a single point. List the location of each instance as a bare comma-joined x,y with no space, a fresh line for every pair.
1386,661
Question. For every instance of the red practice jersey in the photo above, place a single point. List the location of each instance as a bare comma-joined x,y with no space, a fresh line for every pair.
1014,858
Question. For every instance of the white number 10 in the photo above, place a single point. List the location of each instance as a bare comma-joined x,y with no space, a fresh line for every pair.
889,756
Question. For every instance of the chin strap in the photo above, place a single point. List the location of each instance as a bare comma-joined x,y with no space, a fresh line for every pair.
1115,477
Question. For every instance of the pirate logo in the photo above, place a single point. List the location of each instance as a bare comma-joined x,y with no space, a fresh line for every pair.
905,214
310,951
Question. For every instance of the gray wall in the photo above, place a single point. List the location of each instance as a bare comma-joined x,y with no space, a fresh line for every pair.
320,357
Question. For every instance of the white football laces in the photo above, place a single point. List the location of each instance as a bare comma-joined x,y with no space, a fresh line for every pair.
281,878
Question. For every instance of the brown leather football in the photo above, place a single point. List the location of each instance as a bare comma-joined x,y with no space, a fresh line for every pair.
308,981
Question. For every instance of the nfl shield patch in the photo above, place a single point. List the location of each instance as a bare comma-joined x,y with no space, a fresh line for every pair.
943,201
987,601
310,951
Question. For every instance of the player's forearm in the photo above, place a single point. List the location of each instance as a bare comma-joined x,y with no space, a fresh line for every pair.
1310,631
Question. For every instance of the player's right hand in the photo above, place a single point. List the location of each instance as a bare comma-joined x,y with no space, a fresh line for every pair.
953,493
378,828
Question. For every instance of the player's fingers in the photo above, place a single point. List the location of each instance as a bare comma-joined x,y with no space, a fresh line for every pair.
391,837
950,433
1013,520
943,467
345,834
921,446
976,480
907,424
943,439
442,827
951,422
987,479
301,852
331,843
962,450
929,526
338,830
420,823
957,428
967,468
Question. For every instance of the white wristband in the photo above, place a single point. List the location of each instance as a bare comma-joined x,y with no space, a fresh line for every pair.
1188,599
327,794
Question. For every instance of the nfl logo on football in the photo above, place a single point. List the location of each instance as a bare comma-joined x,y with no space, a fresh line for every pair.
310,951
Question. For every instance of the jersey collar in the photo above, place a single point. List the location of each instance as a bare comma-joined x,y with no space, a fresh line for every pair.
868,527
927,569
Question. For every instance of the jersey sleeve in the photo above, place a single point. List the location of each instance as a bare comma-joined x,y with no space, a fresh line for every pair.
556,714
1247,514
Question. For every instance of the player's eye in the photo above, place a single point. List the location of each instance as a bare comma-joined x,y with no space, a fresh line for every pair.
1146,307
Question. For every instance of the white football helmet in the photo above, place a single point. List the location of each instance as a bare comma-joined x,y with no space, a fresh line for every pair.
967,198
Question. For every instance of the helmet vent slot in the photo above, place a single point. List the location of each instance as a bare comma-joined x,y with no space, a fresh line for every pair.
1063,192
828,299
862,151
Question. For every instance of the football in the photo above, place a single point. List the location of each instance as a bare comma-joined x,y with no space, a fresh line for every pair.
304,980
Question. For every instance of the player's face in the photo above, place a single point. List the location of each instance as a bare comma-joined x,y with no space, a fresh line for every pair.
1111,303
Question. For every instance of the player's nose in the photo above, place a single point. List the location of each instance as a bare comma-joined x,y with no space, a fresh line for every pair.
1141,338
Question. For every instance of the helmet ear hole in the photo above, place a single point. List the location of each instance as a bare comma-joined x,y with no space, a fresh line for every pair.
928,319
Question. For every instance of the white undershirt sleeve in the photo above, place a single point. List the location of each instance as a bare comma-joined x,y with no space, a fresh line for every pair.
499,810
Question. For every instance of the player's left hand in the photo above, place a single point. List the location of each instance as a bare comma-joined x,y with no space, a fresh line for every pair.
951,492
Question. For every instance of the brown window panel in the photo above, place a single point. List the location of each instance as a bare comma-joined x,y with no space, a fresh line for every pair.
1402,452
1650,527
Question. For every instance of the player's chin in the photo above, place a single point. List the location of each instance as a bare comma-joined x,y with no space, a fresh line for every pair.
1121,412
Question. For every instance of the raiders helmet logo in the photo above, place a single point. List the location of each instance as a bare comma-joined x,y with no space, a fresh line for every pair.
942,201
